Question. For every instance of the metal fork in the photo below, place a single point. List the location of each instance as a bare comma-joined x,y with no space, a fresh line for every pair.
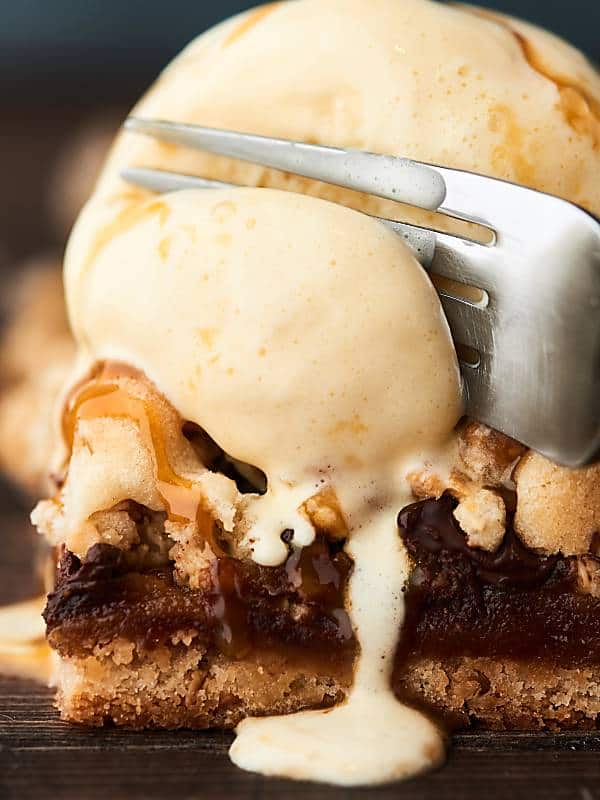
532,334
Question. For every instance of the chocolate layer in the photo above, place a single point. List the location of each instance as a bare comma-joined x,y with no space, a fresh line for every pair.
514,603
298,606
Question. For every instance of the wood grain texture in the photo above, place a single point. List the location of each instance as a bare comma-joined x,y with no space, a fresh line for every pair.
44,758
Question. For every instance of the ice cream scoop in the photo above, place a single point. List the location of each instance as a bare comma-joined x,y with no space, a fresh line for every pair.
302,336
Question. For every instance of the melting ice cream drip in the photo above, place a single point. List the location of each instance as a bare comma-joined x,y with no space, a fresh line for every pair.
370,738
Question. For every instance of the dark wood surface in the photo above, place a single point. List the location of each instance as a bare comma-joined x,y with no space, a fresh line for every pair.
42,757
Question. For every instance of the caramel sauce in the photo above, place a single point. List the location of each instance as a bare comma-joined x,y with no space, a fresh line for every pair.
242,608
111,370
229,609
312,571
253,18
318,576
104,397
511,150
579,106
128,218
581,109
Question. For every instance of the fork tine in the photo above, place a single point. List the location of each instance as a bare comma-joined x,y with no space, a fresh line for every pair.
470,325
158,180
421,240
394,178
454,259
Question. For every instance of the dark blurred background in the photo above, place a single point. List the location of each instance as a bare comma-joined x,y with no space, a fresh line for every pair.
65,49
62,60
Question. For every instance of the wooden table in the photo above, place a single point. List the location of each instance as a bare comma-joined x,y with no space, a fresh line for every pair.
42,757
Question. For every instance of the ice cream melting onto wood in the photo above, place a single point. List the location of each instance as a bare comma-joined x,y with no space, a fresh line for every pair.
371,738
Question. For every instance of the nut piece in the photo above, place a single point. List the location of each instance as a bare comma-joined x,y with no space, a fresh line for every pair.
426,482
325,514
558,509
482,516
487,456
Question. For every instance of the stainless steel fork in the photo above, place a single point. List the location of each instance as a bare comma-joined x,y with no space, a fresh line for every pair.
532,332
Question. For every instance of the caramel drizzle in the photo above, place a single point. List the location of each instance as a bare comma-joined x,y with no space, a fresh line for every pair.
253,18
125,220
580,108
104,397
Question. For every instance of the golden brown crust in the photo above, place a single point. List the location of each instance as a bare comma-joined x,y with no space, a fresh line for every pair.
500,694
557,508
183,687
